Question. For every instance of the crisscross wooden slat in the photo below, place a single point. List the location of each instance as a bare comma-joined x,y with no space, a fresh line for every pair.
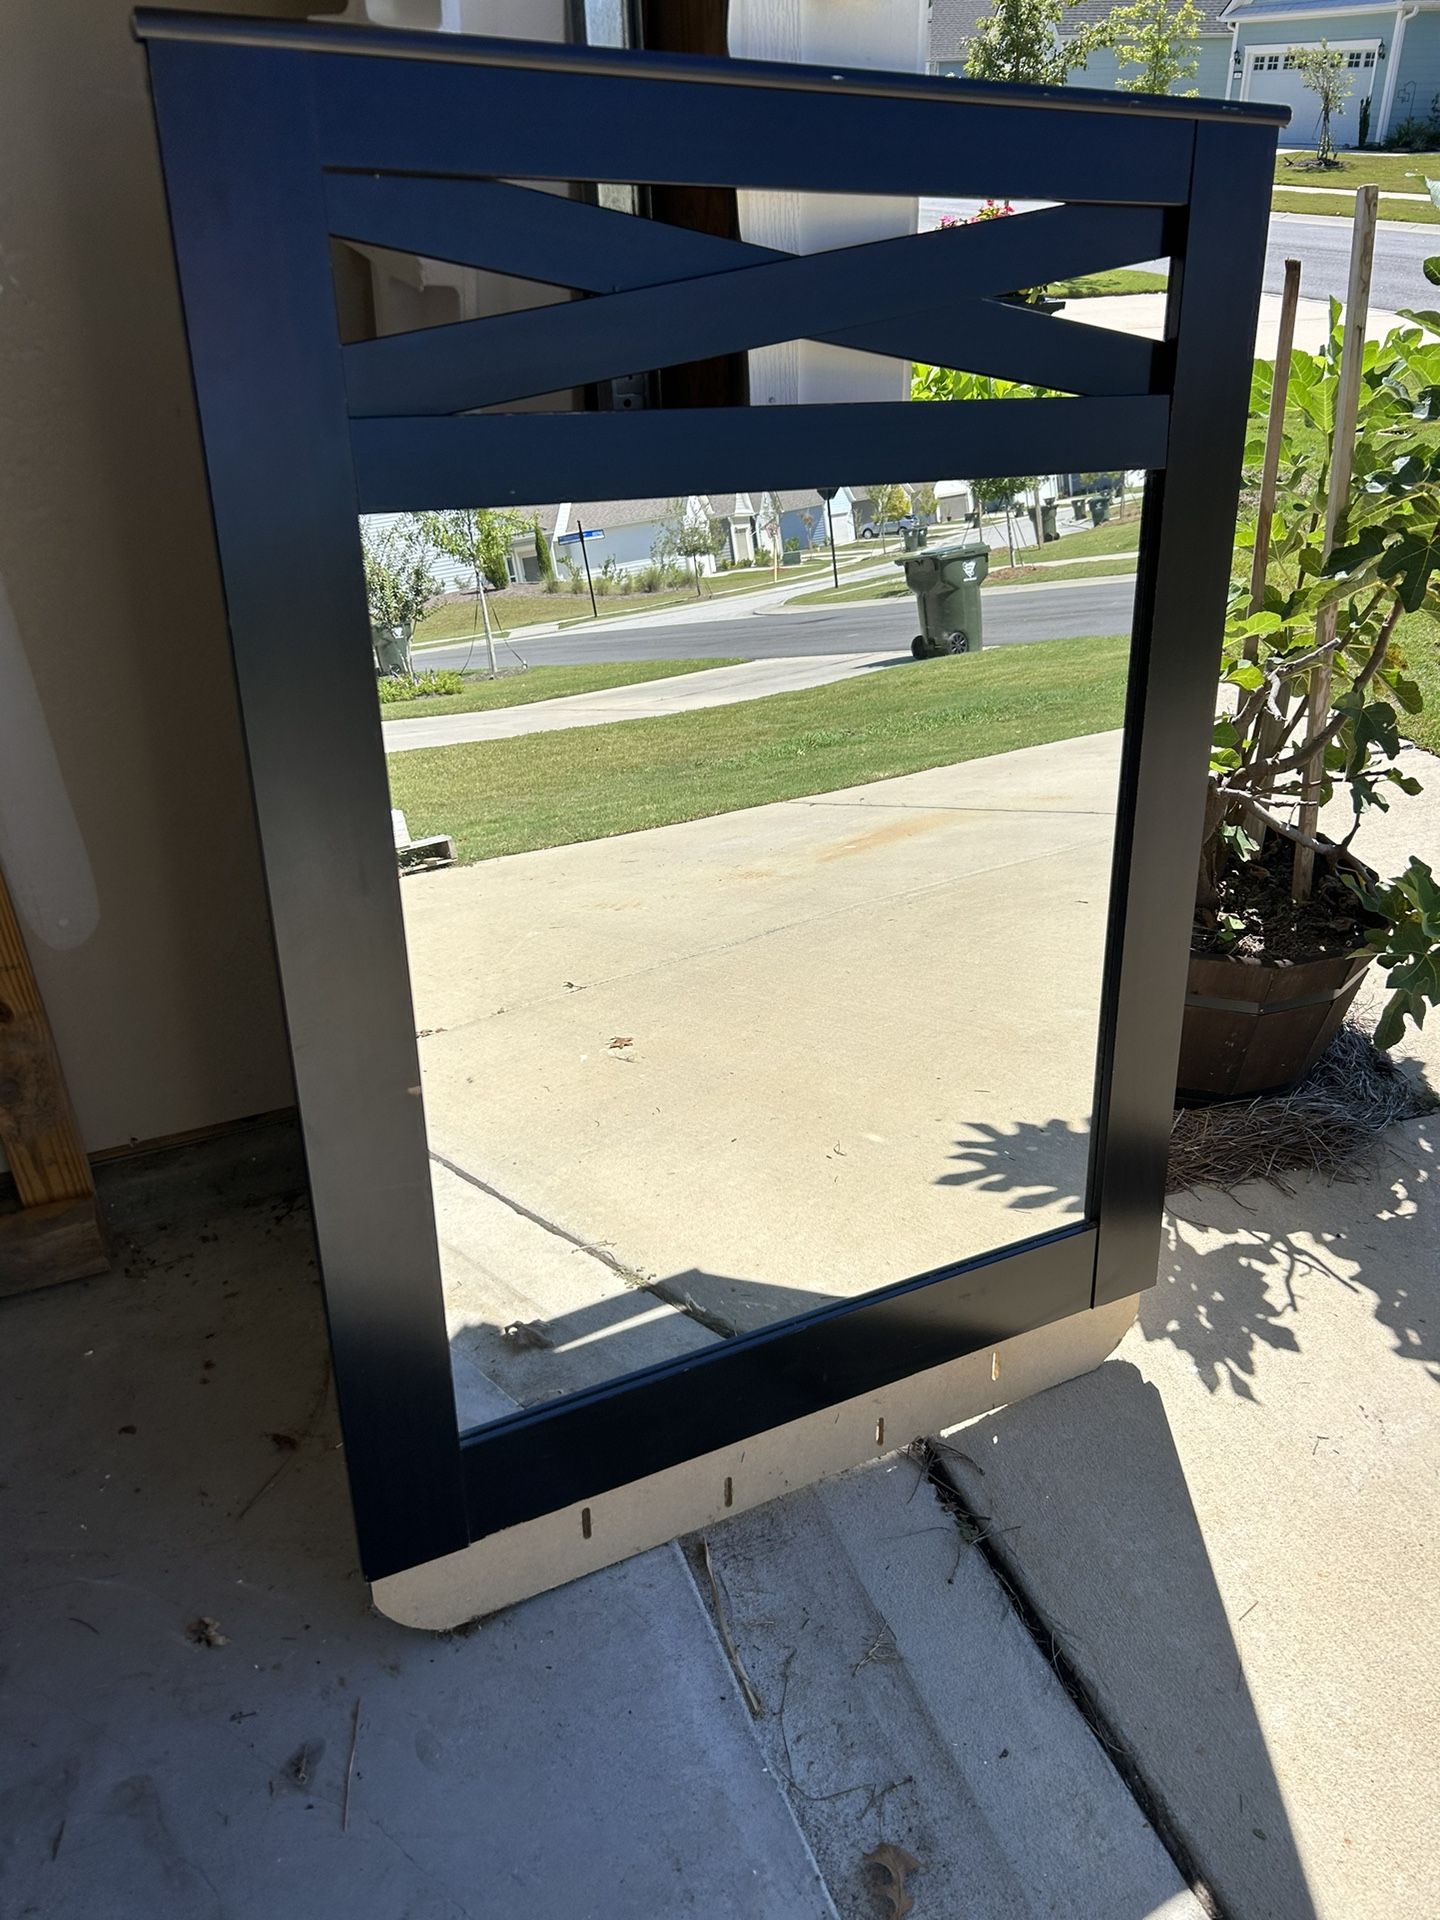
858,296
523,231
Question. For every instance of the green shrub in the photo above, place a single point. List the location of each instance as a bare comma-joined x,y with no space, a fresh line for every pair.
1414,136
395,687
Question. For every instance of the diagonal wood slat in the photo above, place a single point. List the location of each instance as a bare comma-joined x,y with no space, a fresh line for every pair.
489,362
503,460
522,231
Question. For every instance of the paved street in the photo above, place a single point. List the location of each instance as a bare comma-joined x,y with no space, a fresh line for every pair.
1322,245
1013,615
1319,242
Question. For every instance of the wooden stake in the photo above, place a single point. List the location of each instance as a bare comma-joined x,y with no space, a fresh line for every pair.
56,1234
1274,433
1342,460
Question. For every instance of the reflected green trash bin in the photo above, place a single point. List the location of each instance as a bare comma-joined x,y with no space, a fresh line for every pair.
946,583
1048,529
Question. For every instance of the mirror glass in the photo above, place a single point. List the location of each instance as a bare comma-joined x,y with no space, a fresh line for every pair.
755,855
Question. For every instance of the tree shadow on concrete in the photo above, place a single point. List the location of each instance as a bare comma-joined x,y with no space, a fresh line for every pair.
1223,1301
1089,1517
1237,1268
1037,1163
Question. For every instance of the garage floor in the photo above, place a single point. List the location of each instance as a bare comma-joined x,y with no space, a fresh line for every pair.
201,1714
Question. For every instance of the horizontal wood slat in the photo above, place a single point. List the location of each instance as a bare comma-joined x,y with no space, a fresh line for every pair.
864,294
422,117
499,459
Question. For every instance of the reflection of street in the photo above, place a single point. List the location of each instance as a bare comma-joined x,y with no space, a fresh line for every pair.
1322,245
1013,615
747,1057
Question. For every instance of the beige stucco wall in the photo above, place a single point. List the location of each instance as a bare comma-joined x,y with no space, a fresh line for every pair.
125,825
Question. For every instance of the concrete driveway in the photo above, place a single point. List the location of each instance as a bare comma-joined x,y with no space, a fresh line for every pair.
706,1057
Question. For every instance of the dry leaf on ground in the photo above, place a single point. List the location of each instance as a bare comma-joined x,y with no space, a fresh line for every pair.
893,1867
205,1632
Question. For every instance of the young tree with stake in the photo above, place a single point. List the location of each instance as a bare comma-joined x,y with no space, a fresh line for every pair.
1324,72
479,538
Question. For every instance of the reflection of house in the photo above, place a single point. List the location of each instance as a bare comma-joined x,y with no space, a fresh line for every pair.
1246,51
630,531
1392,60
954,500
953,23
802,516
733,516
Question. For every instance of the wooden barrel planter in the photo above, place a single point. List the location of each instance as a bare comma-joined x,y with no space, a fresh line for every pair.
1254,1028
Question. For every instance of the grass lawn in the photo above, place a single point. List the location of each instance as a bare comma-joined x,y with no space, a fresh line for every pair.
1420,644
1115,536
1091,286
460,619
546,683
586,783
1000,575
882,587
1412,212
1036,575
1401,172
509,611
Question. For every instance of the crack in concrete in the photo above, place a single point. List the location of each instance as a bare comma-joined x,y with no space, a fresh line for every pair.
975,1530
667,1295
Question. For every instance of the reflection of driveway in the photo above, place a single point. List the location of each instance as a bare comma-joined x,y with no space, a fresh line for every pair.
746,1055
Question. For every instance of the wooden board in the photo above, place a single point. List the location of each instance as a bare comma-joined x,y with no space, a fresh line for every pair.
55,1235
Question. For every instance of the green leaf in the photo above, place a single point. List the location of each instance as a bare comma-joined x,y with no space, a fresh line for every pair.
1425,317
1253,624
1409,562
1406,692
1247,675
1391,1025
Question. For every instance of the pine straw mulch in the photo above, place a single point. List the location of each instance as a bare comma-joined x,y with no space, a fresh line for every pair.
1329,1124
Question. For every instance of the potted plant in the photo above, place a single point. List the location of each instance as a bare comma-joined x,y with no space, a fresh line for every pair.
1345,544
